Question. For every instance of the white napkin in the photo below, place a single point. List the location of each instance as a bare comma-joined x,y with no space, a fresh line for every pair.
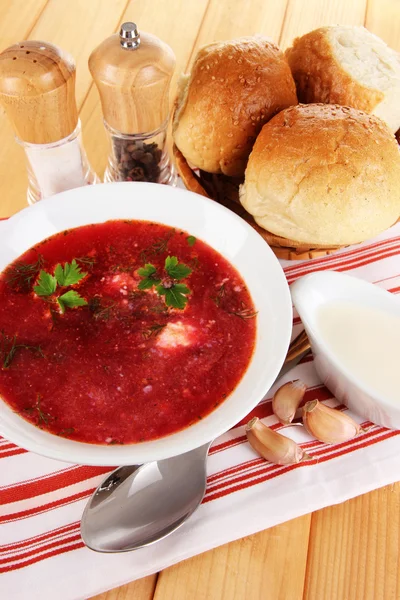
41,500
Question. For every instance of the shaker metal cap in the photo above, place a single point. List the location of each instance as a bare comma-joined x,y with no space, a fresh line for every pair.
129,36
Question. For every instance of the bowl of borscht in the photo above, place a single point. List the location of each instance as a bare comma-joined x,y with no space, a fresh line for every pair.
137,322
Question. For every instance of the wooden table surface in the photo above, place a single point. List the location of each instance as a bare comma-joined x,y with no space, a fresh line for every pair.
345,552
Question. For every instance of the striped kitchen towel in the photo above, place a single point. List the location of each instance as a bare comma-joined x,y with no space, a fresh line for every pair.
41,500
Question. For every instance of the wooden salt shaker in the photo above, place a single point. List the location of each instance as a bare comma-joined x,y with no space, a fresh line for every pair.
37,91
133,72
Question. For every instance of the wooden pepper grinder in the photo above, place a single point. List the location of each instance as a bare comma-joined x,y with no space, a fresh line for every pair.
37,91
133,73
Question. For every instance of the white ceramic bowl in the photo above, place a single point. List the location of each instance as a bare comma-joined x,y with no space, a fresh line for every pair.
311,292
207,220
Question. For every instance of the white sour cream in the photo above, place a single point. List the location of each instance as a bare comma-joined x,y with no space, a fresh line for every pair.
366,341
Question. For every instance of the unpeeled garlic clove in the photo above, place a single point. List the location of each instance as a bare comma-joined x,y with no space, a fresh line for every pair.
327,424
286,400
273,446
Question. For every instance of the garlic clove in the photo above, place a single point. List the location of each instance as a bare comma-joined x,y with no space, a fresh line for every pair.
327,424
286,400
273,446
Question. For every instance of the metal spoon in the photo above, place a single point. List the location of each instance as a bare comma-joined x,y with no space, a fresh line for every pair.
141,504
138,505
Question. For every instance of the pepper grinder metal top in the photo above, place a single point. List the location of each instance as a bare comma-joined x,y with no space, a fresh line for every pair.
129,36
133,73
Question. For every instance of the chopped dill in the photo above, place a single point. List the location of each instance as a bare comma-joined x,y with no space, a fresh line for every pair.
158,247
99,310
19,276
9,347
43,418
159,308
244,312
153,331
87,261
66,432
220,294
194,263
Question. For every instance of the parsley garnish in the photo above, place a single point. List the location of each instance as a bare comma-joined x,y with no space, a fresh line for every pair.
191,240
176,270
148,272
69,275
175,296
175,293
46,285
65,276
69,300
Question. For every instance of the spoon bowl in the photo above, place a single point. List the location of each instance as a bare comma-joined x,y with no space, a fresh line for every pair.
140,504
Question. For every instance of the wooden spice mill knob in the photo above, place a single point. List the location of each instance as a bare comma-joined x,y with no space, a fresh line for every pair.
37,90
133,72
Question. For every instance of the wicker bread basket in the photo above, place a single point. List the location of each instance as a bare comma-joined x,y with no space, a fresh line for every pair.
225,190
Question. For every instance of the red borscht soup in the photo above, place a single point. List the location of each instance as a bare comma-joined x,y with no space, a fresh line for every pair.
122,332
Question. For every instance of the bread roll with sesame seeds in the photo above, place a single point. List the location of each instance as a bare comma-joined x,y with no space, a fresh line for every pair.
323,174
343,64
233,89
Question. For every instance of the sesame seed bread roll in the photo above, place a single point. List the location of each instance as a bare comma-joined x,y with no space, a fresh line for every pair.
349,66
233,89
323,174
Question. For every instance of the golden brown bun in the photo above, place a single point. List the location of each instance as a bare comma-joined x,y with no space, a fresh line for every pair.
323,174
233,89
349,66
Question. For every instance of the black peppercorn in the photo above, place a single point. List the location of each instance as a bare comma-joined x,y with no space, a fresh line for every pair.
137,161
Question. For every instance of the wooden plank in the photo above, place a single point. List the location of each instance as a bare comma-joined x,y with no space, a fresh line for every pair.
305,15
234,18
18,17
354,549
142,589
150,16
78,27
270,565
383,19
